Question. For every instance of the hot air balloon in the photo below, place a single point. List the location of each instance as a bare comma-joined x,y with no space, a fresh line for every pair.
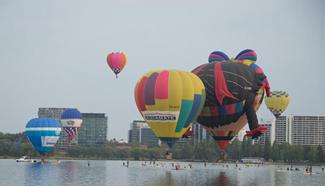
278,102
234,92
116,61
43,133
71,121
169,101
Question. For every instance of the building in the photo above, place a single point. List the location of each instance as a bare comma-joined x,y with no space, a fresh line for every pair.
282,129
63,142
300,130
140,133
50,113
269,135
200,135
241,134
93,131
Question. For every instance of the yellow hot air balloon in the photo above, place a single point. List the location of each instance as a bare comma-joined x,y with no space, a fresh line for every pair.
277,102
169,101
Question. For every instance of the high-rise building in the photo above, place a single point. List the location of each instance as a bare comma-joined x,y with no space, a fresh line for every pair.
269,135
200,135
282,131
140,133
50,113
55,113
300,130
93,130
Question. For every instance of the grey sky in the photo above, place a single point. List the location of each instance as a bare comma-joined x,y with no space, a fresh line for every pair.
53,53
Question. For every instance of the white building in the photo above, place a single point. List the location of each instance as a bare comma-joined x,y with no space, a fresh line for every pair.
200,135
269,135
300,130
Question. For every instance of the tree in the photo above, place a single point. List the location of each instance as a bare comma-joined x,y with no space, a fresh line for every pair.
319,154
234,150
275,154
267,150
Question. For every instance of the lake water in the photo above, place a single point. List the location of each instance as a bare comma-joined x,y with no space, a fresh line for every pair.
113,173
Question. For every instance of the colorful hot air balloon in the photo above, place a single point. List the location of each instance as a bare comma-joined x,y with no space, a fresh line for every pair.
234,92
278,102
116,61
71,121
169,101
43,133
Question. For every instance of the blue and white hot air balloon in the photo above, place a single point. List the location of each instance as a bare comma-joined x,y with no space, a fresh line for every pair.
71,121
43,133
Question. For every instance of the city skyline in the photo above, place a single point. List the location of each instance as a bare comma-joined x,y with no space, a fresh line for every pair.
53,54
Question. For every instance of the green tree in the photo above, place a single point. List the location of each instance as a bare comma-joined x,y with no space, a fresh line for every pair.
136,153
311,154
267,150
320,154
234,150
275,154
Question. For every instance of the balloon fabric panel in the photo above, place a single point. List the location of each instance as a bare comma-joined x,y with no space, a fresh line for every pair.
169,97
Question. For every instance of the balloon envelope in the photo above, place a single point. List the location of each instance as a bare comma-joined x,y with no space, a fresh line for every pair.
71,121
277,102
116,61
43,134
234,92
169,101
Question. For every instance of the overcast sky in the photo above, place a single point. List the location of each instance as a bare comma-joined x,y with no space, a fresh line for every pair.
53,53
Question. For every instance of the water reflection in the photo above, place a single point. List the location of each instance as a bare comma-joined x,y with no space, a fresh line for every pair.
68,173
114,173
223,179
65,173
38,174
176,178
167,180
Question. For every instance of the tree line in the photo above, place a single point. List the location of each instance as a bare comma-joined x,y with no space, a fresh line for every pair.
15,145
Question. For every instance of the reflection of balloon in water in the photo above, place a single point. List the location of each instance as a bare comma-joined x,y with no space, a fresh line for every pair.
278,102
116,61
169,101
234,91
43,133
71,122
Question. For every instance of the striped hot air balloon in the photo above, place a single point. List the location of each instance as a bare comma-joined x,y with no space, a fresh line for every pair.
116,61
169,101
234,92
71,121
43,133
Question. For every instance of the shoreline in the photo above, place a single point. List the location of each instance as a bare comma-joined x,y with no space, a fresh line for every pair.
164,160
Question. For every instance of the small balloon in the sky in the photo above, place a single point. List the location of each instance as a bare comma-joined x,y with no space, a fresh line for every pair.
277,102
116,61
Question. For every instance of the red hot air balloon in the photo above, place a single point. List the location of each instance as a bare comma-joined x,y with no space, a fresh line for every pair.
116,61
